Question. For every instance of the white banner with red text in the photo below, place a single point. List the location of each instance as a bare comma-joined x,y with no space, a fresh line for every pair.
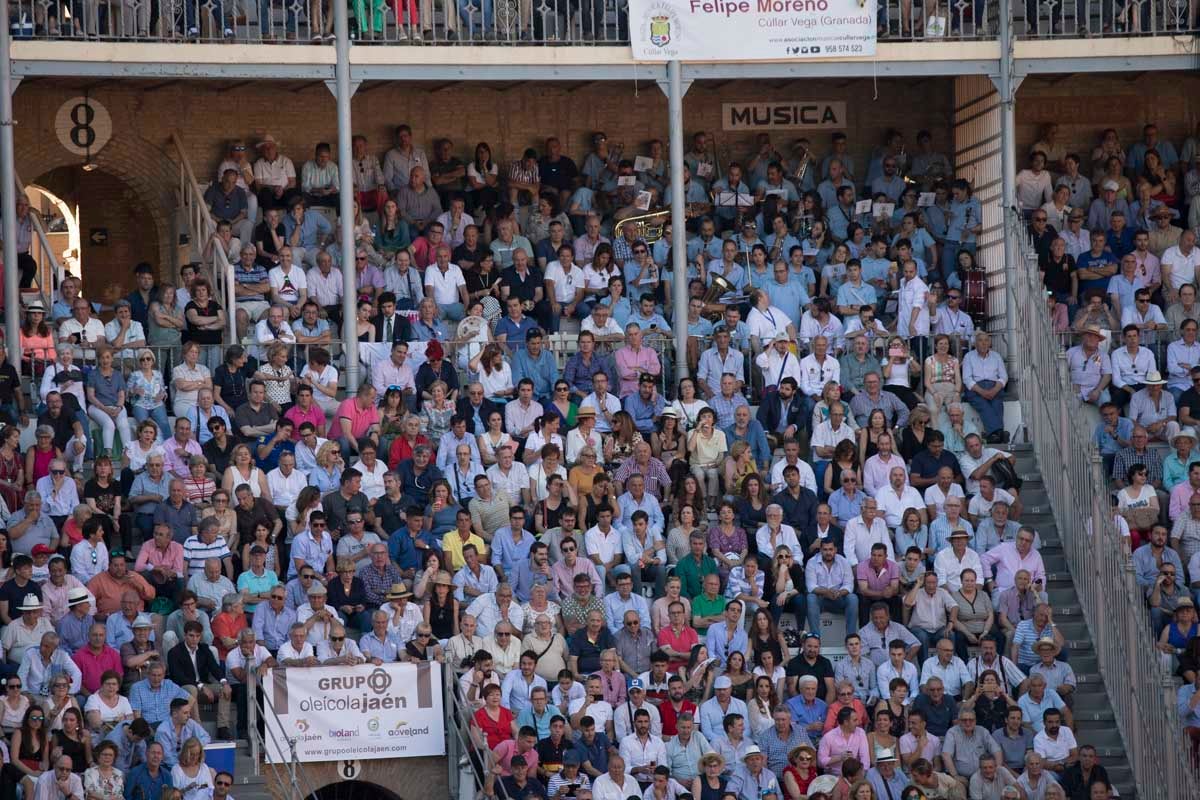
750,30
363,712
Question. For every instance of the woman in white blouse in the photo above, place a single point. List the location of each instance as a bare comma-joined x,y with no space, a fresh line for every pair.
495,375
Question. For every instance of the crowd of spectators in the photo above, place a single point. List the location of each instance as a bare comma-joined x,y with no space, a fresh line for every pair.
627,573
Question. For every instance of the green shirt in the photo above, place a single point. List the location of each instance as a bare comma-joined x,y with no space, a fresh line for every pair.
692,575
703,607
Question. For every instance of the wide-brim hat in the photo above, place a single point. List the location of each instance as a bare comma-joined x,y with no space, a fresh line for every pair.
1092,330
399,591
266,140
31,603
443,578
78,595
1154,378
588,411
1187,431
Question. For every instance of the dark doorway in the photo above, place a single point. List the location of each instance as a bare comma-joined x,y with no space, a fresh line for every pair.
355,790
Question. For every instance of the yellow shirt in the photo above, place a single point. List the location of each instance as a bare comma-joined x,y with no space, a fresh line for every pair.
452,547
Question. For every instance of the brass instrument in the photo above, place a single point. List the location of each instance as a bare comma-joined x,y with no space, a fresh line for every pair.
650,227
716,290
798,216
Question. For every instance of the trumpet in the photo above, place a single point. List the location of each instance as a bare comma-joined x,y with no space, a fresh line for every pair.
801,171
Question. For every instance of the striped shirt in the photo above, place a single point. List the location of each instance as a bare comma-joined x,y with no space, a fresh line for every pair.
196,552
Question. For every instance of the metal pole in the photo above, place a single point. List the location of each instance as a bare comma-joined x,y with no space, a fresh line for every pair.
8,190
1008,172
341,27
679,288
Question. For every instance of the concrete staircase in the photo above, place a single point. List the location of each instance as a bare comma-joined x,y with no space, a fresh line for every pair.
1094,720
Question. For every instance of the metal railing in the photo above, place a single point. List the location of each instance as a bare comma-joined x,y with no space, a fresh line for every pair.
291,781
543,22
1141,691
202,227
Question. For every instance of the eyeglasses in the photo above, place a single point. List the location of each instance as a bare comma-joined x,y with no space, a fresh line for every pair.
307,577
1039,219
337,638
12,686
145,358
58,472
37,719
503,633
953,296
568,549
224,784
631,623
360,258
277,597
351,521
424,635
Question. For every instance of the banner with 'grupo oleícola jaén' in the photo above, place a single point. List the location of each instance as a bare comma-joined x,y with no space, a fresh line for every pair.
356,713
750,30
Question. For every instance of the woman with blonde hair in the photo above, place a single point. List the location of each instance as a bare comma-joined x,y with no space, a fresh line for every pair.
436,413
241,470
584,472
149,393
739,466
191,775
277,375
327,476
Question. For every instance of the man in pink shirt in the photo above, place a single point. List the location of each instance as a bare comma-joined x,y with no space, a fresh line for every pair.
1009,558
633,360
160,562
95,659
305,410
181,447
357,418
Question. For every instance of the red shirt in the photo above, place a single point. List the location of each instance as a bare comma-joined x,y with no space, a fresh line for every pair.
668,714
683,643
496,731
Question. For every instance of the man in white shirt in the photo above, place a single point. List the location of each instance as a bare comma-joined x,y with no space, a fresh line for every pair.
899,496
445,283
791,458
778,362
1179,264
317,618
952,320
285,481
1147,316
289,284
605,403
1130,365
509,476
564,284
1055,743
950,562
602,325
912,312
865,530
830,433
642,750
817,369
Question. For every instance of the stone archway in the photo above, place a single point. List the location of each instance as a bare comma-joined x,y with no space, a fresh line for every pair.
143,167
117,229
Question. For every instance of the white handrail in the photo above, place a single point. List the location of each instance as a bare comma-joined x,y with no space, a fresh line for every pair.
48,287
202,227
1140,689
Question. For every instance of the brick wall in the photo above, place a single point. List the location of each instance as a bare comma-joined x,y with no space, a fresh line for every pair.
1084,105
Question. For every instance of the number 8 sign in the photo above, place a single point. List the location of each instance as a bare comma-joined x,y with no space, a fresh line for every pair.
83,126
349,770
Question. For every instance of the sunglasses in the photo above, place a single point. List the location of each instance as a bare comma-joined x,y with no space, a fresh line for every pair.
572,549
58,472
308,577
424,635
145,358
337,638
224,784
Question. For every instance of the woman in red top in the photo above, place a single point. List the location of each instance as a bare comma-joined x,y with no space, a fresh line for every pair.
494,721
800,772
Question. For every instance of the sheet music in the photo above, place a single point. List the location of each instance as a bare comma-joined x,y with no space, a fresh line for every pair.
626,180
642,203
862,207
643,164
925,199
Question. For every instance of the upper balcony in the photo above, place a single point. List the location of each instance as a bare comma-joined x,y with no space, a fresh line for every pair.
562,39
